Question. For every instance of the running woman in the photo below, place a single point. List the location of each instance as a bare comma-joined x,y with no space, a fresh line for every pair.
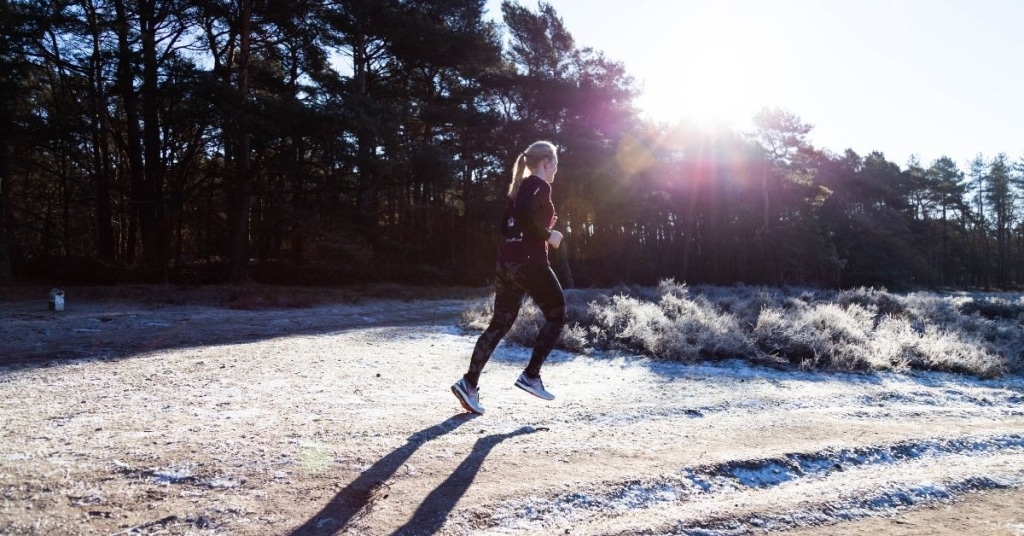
523,269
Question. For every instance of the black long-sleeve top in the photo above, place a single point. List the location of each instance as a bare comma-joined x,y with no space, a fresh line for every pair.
529,218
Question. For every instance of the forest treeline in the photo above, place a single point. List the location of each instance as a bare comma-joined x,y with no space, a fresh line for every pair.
316,142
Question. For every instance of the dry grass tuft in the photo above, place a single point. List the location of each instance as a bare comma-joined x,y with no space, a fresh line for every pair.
861,329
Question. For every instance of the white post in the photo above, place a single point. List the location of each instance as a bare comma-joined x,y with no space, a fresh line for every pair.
56,299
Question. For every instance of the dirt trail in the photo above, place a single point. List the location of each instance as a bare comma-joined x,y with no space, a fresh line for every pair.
182,419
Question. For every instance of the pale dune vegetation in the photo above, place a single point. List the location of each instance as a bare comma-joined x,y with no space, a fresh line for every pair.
860,330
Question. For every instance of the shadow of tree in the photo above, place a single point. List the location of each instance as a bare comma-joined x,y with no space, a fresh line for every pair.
359,497
121,331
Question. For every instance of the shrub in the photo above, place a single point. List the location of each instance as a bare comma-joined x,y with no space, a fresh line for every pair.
854,330
879,301
826,336
900,346
992,307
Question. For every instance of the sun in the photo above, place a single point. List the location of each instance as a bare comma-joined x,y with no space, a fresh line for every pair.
721,72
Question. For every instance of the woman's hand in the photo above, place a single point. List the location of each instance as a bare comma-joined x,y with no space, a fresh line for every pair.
555,239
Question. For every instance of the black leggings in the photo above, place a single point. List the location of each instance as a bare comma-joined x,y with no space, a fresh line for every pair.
514,282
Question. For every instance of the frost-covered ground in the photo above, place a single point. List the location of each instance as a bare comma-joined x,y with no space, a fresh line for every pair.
120,417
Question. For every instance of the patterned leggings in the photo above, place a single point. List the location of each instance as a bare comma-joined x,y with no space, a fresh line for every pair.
514,282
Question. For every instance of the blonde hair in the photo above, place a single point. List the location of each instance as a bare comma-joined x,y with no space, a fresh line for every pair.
538,152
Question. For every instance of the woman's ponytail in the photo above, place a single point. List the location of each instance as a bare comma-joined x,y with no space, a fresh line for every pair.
518,170
530,158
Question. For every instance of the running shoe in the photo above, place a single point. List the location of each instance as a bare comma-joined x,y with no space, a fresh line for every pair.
468,396
534,386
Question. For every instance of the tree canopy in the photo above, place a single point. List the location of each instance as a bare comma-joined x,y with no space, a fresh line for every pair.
314,142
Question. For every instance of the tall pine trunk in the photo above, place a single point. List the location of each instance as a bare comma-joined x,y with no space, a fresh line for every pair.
101,154
6,223
133,131
153,227
240,192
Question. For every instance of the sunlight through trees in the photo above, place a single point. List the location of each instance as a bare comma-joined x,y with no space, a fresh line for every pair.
312,142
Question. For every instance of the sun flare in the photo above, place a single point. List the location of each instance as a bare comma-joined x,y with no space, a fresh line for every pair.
721,73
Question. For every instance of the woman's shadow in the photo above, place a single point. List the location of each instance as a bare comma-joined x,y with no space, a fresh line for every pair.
435,508
361,495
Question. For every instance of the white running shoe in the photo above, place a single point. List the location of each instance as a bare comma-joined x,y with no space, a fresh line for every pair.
534,386
468,396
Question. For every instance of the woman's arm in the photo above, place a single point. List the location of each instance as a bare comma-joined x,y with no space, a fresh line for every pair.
534,210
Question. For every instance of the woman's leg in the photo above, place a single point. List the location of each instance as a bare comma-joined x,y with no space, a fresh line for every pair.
544,289
508,298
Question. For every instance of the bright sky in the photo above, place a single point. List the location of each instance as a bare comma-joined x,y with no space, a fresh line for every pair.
924,77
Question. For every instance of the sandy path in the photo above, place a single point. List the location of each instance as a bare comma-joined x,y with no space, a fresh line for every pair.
338,419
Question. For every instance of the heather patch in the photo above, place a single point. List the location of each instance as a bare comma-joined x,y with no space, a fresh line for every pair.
862,329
